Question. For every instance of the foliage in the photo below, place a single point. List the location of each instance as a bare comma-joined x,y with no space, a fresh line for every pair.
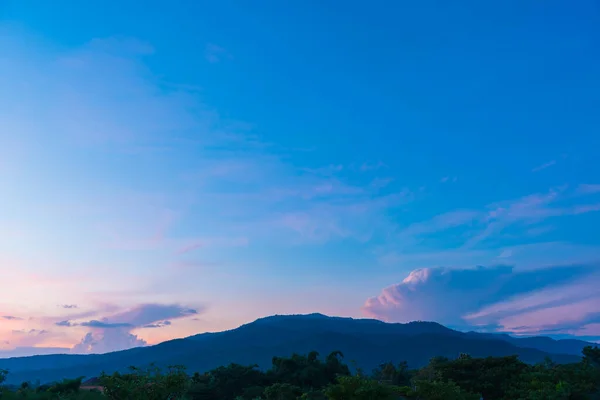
399,375
591,356
308,377
148,384
360,388
282,391
443,390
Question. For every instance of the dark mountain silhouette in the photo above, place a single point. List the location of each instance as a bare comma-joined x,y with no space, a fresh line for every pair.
367,342
543,343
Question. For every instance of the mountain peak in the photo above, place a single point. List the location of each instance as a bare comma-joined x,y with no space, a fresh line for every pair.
295,316
367,341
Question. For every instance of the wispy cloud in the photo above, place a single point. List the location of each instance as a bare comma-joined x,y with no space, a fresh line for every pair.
215,53
160,324
30,331
441,222
588,188
64,323
372,166
213,242
238,185
506,253
544,166
447,179
527,256
105,325
11,318
327,170
478,225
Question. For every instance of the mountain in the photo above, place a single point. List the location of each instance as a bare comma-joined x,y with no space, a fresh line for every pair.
543,343
367,342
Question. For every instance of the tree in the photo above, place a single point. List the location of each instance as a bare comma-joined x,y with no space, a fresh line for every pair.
306,377
591,355
308,372
359,388
313,395
66,387
388,372
489,376
148,384
232,380
282,391
438,390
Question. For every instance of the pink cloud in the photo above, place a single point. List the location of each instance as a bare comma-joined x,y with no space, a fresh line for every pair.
107,341
29,337
551,318
25,351
114,332
587,330
425,294
557,299
109,328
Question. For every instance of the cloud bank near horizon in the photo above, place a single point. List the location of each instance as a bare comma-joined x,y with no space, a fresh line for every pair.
109,329
561,300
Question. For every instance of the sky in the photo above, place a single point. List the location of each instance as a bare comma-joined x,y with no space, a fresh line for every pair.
168,169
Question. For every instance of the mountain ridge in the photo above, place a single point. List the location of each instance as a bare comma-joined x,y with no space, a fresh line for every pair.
367,341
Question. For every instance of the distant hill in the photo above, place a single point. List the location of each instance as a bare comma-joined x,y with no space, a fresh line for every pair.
367,342
543,343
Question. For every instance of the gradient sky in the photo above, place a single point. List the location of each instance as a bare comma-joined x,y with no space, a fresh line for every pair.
173,168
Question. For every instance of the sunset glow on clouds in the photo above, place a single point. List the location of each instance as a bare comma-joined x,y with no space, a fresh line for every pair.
157,184
541,301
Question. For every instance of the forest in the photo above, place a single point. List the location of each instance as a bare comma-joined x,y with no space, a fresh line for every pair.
331,378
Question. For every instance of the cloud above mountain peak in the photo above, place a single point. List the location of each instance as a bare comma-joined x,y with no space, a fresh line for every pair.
497,298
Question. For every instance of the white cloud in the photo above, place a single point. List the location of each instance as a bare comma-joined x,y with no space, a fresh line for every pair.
106,341
544,166
114,332
506,253
556,299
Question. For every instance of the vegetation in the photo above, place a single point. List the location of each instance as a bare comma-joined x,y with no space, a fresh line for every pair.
307,377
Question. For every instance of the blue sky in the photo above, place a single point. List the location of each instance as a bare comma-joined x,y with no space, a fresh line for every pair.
240,159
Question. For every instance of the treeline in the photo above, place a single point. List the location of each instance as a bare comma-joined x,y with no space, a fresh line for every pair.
311,378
